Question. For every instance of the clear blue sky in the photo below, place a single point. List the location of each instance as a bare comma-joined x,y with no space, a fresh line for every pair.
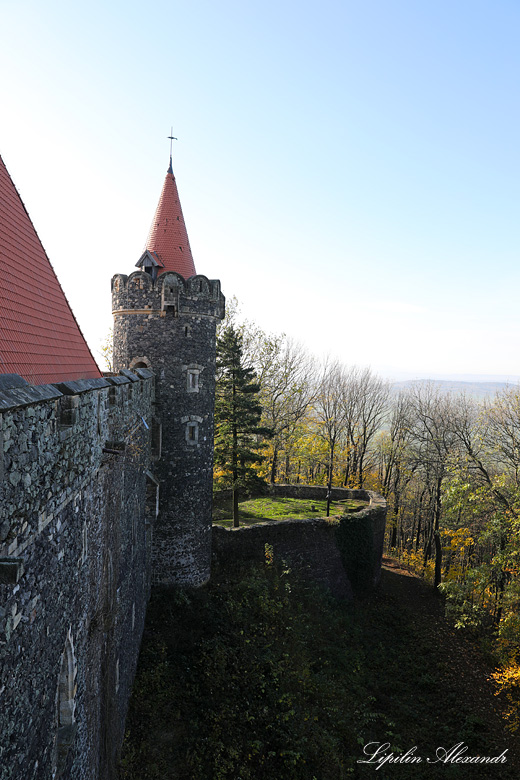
349,170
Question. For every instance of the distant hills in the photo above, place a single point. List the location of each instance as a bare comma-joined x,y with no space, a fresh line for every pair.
476,390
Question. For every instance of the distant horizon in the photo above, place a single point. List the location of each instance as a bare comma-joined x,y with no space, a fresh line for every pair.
405,376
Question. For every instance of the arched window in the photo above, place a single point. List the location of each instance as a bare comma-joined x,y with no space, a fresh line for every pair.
139,362
66,707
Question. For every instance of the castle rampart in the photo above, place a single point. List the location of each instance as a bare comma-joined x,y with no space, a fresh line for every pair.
78,500
343,553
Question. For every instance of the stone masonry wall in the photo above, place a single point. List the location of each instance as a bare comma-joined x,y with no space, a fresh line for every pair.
308,546
169,326
314,546
77,502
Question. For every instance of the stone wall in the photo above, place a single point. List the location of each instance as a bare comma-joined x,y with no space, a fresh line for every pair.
77,503
324,550
307,545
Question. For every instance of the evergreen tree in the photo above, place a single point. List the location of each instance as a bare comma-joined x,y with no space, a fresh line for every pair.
237,417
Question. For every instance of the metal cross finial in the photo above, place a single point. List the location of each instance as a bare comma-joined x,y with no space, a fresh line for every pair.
172,139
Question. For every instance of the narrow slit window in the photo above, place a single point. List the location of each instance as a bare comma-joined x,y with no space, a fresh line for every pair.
193,381
192,433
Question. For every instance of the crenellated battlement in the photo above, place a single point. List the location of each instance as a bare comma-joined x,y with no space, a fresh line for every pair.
168,295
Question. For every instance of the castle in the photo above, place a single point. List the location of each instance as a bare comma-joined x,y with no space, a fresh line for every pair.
106,486
106,489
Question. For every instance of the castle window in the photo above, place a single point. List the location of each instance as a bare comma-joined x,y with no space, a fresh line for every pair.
151,509
156,438
193,380
99,414
109,583
139,362
192,432
187,331
66,706
200,286
84,543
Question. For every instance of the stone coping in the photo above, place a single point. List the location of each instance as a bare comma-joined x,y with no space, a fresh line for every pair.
26,395
8,381
16,391
78,386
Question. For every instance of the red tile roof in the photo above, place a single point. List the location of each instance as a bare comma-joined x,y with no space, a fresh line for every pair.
168,238
39,337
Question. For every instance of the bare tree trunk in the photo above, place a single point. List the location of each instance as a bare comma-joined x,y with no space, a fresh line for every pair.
438,559
437,535
274,465
236,521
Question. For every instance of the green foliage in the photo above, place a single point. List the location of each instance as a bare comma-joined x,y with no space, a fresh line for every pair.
237,416
244,667
259,675
106,350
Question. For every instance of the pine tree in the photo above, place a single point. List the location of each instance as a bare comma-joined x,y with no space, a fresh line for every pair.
237,417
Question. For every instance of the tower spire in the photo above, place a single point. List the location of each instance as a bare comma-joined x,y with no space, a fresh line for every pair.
168,238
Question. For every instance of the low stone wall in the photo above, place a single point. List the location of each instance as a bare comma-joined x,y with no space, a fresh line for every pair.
308,545
318,492
360,539
340,553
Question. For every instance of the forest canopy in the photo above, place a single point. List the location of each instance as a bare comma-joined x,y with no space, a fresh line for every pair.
447,463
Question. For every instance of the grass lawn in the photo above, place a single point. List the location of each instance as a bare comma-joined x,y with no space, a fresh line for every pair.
258,509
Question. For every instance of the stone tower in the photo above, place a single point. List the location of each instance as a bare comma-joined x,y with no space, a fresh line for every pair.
165,317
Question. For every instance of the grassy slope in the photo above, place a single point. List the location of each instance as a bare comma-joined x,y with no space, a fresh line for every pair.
260,676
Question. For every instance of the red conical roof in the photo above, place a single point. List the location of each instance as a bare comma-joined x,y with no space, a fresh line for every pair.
168,238
39,338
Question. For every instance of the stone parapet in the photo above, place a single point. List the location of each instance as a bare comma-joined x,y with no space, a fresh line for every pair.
75,569
344,553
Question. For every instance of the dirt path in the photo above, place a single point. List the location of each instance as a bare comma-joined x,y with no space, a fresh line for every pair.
467,670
